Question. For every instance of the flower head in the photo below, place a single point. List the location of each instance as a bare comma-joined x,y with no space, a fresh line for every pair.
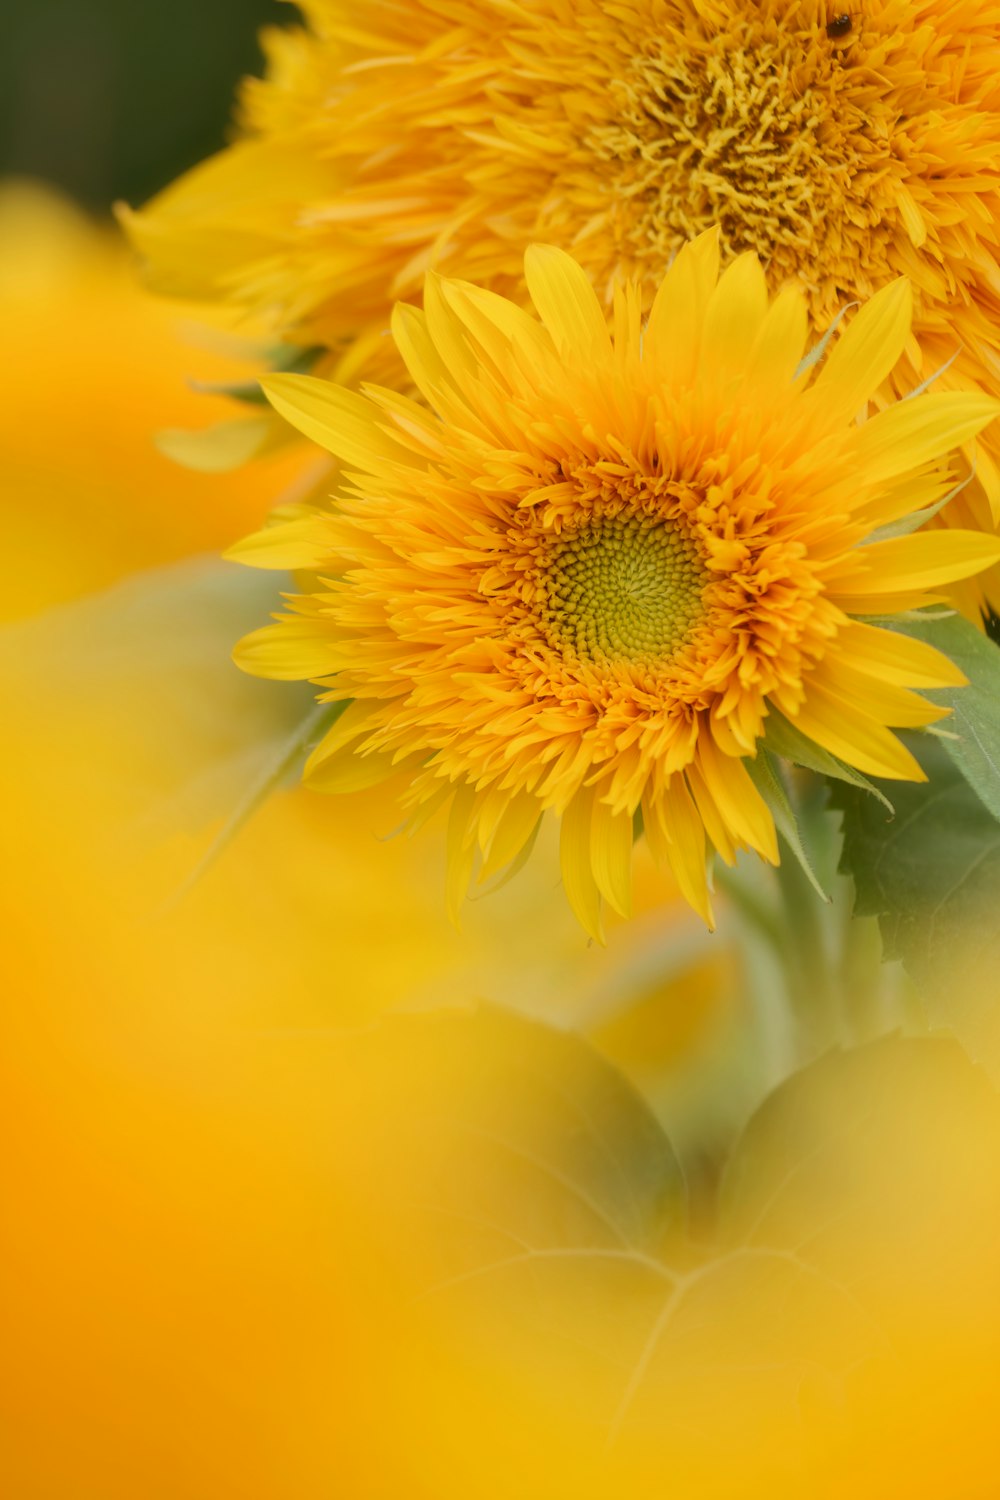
586,576
450,134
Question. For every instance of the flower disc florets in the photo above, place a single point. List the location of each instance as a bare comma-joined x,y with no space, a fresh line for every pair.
624,588
586,574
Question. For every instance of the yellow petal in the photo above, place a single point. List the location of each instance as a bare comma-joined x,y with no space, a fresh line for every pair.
676,838
347,771
289,651
863,356
884,701
495,324
423,360
567,303
734,317
887,603
611,856
988,476
915,432
673,333
339,420
913,220
837,726
897,658
297,543
574,858
924,560
219,218
354,722
780,342
448,333
710,817
515,828
740,804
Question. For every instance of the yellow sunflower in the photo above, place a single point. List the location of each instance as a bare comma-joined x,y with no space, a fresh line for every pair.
846,145
585,578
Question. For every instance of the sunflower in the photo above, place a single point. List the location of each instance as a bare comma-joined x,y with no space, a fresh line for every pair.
845,145
585,575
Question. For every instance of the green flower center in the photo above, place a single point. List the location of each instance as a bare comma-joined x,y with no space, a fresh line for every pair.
622,589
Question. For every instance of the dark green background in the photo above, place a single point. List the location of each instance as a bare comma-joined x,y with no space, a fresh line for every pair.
112,98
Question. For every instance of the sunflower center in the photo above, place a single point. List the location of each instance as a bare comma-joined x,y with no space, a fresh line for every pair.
622,589
755,130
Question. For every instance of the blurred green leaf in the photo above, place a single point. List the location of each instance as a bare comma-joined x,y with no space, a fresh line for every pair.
975,716
880,1167
497,1104
538,1205
931,875
540,1213
765,771
291,358
142,675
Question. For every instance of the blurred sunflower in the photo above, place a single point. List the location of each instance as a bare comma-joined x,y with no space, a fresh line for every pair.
102,501
585,578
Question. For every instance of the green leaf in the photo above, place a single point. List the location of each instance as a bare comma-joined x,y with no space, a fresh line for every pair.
782,738
878,1166
765,772
532,1205
931,875
538,1210
975,716
286,357
487,1091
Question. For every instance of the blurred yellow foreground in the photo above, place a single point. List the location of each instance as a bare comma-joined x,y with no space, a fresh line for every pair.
308,1195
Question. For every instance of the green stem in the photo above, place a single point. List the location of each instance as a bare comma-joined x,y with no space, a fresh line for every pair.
810,965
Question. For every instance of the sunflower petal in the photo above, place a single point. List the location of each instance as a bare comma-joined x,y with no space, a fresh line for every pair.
781,338
913,433
293,649
567,303
864,355
740,804
734,317
836,725
341,421
673,332
924,560
611,856
897,658
676,837
574,857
